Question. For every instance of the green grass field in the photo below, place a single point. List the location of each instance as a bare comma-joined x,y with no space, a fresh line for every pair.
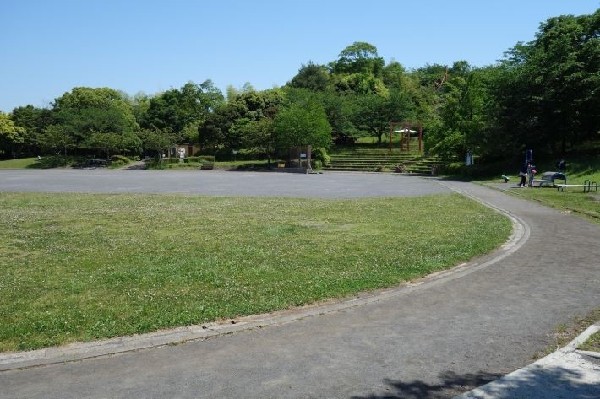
572,199
77,267
22,163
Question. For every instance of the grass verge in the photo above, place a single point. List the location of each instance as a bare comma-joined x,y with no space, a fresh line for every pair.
79,267
22,163
565,333
572,199
592,344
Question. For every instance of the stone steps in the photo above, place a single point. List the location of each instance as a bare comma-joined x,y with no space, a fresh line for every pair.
381,160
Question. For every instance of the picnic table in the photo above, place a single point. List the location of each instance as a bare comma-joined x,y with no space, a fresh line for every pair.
547,179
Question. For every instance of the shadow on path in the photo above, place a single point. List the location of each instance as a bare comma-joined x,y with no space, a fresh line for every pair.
539,382
451,384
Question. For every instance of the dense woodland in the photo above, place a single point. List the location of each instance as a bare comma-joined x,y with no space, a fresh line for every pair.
544,94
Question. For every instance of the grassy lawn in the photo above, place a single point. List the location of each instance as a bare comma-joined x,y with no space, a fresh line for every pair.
78,267
17,163
572,199
25,163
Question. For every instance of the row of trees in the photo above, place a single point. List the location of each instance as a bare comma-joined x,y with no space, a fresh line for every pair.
544,94
88,120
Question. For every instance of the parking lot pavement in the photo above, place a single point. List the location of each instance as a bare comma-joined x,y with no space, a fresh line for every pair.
222,183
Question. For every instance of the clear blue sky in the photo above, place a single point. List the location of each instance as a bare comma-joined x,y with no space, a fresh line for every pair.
48,47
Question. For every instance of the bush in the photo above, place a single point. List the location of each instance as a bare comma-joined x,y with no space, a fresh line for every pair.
478,171
344,140
400,168
201,159
244,154
197,162
119,160
155,164
54,161
321,155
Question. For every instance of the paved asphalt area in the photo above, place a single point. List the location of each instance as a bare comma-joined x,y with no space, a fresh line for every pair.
433,338
258,184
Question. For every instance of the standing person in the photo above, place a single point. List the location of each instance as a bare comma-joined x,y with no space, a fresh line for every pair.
523,174
530,174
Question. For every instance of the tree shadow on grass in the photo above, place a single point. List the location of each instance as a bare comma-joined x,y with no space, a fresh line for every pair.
556,380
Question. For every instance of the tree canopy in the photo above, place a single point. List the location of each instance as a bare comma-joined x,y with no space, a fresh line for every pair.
543,94
302,122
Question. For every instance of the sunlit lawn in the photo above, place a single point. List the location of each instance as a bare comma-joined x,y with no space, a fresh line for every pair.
17,163
571,199
77,267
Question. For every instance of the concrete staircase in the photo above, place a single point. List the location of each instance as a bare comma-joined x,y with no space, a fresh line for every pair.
369,159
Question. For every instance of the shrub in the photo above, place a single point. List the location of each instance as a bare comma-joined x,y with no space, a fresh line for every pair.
207,158
155,164
119,160
201,159
401,168
321,155
54,161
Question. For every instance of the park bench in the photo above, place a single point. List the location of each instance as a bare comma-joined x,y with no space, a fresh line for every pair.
587,185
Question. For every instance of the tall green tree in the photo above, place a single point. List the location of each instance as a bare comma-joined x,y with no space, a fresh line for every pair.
57,139
243,122
462,113
302,122
34,120
568,60
554,82
340,110
358,70
359,57
394,76
139,103
183,110
373,113
312,77
10,135
156,141
95,119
